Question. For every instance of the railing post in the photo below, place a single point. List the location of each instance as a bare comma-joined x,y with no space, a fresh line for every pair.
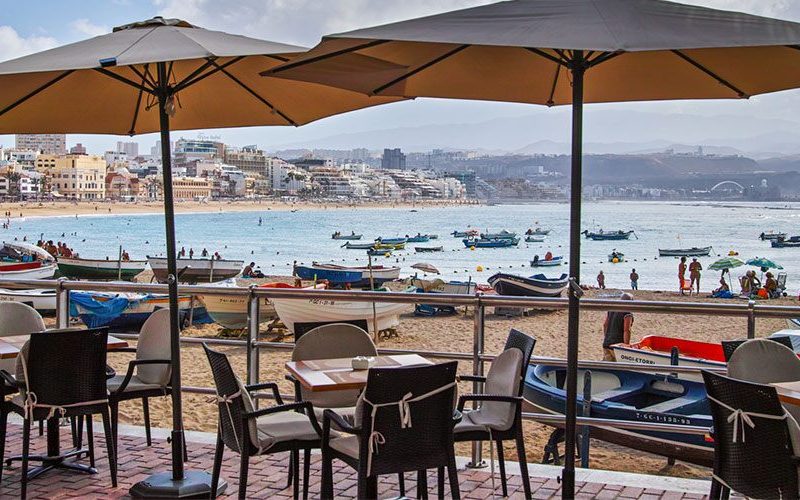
586,411
751,319
252,337
478,336
62,305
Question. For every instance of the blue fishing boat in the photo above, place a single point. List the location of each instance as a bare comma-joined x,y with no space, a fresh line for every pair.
537,285
129,311
379,252
493,243
633,396
792,241
419,238
333,276
391,241
502,235
608,235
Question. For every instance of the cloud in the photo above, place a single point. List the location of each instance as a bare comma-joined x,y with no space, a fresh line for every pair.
86,28
13,45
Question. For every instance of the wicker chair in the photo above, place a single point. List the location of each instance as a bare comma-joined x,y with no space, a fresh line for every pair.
61,374
728,346
250,432
499,418
148,375
389,437
755,460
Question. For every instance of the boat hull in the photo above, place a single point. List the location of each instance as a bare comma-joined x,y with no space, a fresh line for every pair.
509,284
428,249
497,243
231,311
37,273
334,276
292,311
684,252
350,237
197,270
359,246
100,269
614,235
379,274
534,239
656,350
555,261
42,300
140,308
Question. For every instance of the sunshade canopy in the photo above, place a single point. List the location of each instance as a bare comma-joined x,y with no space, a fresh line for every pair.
424,266
106,84
726,263
515,51
764,263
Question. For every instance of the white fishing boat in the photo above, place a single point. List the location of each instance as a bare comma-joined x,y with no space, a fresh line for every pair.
36,271
383,316
42,300
197,270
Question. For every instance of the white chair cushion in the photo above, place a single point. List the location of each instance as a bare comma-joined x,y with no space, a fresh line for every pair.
283,426
502,380
135,384
347,445
154,343
346,412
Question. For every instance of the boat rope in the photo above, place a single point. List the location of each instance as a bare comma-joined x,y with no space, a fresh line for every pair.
742,419
376,438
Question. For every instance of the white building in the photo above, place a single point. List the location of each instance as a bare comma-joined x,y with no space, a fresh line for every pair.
131,149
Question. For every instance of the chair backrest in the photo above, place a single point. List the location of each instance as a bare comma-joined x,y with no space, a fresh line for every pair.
764,361
758,463
338,340
154,343
17,318
231,408
425,442
525,343
728,346
67,367
781,281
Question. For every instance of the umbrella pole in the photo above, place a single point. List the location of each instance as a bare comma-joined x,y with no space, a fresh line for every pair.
568,474
178,483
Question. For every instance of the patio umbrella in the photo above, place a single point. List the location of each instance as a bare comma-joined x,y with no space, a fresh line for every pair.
426,268
554,52
153,76
726,264
763,263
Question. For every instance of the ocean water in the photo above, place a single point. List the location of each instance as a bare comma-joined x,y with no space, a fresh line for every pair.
305,236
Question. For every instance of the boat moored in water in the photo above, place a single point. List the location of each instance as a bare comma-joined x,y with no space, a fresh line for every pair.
340,236
602,235
428,249
535,239
469,233
791,242
537,285
684,252
771,235
551,262
419,238
358,246
491,243
502,235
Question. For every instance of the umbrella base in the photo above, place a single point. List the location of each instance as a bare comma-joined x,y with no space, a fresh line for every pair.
195,484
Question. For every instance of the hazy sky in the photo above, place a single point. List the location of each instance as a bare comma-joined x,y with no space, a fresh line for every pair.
28,27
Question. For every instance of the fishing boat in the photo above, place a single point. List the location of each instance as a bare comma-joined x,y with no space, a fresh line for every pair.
502,235
608,235
333,276
684,252
197,270
358,246
432,236
616,257
771,235
379,252
428,249
103,269
534,239
793,241
379,274
554,261
537,285
41,299
391,241
469,233
389,246
657,350
440,286
128,311
378,316
537,232
495,243
27,271
420,238
340,236
632,396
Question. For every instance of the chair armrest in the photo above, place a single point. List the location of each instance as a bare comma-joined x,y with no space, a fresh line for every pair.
298,394
123,349
306,406
132,364
341,423
266,385
471,378
487,397
9,380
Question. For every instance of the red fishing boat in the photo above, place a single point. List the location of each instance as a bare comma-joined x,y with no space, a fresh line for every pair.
657,350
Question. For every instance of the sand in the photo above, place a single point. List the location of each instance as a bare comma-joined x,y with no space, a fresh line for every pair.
107,207
454,333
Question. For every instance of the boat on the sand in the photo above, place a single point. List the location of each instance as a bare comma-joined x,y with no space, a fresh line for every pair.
684,252
537,285
43,300
128,311
102,269
378,274
632,396
197,270
333,276
657,350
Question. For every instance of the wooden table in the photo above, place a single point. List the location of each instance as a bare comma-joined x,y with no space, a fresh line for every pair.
10,346
321,375
788,392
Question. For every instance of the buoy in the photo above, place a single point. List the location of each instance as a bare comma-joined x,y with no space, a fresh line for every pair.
479,269
472,248
615,260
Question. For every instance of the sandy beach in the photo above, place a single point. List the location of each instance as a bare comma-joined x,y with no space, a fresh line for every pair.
454,333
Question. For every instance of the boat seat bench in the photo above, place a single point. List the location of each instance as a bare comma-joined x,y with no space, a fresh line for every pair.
609,395
670,404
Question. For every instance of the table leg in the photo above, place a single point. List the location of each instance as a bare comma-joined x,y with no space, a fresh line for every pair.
55,459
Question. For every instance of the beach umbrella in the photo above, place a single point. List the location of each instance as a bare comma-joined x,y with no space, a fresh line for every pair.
726,264
763,263
154,76
555,52
426,268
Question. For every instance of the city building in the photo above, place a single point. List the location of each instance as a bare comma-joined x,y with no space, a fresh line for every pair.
129,148
191,188
78,149
122,185
393,159
156,149
249,159
80,177
55,144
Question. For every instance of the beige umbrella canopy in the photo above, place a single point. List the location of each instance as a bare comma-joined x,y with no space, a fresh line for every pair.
563,52
152,76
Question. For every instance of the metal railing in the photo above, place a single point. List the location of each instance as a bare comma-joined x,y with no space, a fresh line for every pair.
253,347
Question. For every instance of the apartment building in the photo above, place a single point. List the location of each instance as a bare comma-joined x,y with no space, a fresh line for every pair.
80,177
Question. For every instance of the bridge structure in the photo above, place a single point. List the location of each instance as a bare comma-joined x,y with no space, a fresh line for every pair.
728,186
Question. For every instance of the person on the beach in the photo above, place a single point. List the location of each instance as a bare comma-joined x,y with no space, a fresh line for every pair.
634,280
616,329
771,286
182,253
694,273
125,255
191,253
601,280
682,273
204,253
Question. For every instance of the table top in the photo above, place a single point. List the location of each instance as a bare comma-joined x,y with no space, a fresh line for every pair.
788,392
338,374
10,345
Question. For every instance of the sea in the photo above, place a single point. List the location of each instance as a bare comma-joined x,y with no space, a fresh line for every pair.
283,238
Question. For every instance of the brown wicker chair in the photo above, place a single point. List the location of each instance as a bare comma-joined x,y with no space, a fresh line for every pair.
61,374
409,438
250,432
758,461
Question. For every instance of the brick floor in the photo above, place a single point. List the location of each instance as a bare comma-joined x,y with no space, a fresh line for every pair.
267,475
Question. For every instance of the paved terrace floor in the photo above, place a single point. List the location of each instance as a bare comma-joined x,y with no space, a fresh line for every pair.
268,474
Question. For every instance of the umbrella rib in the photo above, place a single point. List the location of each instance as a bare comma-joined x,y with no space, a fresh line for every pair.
256,95
605,56
217,68
322,57
421,68
35,91
143,75
710,73
550,101
124,80
544,54
132,131
197,71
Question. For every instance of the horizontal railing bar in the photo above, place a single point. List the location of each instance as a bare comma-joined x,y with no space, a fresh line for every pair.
548,418
620,365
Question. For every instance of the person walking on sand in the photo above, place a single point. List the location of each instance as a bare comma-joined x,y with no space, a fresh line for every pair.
617,329
634,280
601,280
682,273
694,273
